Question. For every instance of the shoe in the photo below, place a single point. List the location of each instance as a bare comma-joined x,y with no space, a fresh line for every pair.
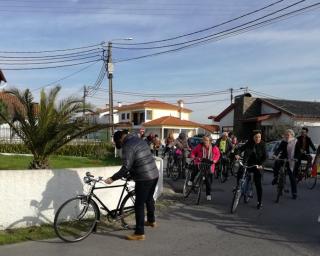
259,205
135,237
151,224
209,198
294,196
190,183
274,181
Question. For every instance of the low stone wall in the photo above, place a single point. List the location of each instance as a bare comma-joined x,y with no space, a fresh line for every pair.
32,197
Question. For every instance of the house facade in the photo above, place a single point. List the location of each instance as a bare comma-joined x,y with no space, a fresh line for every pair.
271,116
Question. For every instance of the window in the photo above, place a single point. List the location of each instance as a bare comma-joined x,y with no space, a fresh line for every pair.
149,114
123,116
128,116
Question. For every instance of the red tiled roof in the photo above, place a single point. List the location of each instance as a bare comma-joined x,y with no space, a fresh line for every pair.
152,104
171,121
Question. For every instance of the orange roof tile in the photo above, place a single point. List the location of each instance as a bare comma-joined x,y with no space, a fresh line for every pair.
171,121
152,104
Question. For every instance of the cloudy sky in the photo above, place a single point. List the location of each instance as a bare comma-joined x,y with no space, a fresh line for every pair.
279,60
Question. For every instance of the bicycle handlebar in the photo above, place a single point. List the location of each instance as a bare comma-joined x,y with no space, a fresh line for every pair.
246,166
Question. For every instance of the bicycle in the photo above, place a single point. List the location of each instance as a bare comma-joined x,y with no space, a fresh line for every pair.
221,172
170,162
305,174
204,168
175,165
281,181
244,188
79,216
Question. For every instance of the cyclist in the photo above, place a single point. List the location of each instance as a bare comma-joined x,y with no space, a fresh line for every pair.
182,144
225,146
169,144
208,151
254,154
139,162
287,149
304,143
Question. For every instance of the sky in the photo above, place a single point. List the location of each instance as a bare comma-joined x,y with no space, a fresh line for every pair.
278,60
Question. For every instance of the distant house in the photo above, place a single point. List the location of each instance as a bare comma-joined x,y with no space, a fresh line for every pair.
248,113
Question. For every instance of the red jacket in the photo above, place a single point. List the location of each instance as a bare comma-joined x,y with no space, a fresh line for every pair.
198,152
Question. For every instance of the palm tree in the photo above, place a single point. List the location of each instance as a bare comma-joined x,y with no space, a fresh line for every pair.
46,127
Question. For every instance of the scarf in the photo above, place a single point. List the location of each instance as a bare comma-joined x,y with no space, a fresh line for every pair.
290,149
204,152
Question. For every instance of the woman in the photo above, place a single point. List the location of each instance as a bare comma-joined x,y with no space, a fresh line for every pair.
208,151
182,143
287,149
254,155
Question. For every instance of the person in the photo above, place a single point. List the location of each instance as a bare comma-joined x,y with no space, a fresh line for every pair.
205,150
156,144
149,140
182,143
225,146
287,149
254,155
304,143
169,143
139,163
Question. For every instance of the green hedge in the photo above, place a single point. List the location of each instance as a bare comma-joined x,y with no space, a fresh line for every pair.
99,150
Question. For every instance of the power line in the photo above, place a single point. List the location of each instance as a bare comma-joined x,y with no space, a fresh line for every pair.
202,30
232,33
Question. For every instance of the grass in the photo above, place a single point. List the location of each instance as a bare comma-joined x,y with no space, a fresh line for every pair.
19,162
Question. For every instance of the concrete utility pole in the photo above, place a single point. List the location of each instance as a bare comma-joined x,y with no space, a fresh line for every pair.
85,94
110,76
231,95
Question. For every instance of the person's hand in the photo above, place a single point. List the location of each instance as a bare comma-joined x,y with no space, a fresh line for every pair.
237,157
259,167
108,181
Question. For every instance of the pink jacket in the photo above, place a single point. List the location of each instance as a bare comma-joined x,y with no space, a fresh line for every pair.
197,152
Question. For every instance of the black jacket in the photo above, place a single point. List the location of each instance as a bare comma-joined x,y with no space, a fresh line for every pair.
254,154
228,145
282,150
308,144
137,159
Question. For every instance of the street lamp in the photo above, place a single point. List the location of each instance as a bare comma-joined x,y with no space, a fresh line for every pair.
110,69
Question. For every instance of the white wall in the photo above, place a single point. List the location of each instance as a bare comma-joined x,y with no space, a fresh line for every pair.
32,197
227,120
157,113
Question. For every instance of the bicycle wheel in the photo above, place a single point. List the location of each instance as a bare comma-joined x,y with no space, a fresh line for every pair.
280,188
223,174
127,213
236,198
248,193
199,183
311,181
175,171
76,219
187,189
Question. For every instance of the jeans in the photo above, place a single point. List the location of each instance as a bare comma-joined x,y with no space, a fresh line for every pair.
144,195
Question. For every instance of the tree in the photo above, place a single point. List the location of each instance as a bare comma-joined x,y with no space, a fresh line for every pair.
46,127
3,110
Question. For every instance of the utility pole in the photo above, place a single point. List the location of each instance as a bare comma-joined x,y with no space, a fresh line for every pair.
110,76
85,94
231,95
246,89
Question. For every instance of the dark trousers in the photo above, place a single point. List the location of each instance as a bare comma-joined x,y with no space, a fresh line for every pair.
144,195
291,174
207,181
256,178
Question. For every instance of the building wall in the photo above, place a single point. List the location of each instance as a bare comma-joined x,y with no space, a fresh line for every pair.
157,113
227,121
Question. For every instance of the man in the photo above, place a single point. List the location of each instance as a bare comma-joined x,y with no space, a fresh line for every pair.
225,146
138,162
304,143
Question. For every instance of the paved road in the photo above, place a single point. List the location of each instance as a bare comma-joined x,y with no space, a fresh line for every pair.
287,228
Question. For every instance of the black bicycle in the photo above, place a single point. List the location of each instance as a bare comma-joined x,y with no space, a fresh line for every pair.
222,168
203,169
281,180
79,216
305,173
244,188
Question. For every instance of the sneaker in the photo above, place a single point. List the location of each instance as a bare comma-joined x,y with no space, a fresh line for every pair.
151,224
135,237
190,183
208,197
259,205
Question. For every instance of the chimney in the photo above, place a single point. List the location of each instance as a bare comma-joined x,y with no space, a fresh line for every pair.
180,104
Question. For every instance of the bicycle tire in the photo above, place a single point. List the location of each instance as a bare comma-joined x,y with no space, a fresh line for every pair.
200,183
236,198
223,175
175,172
127,212
76,228
187,189
280,188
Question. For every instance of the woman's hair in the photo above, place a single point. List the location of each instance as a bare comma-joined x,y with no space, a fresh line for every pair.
290,131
